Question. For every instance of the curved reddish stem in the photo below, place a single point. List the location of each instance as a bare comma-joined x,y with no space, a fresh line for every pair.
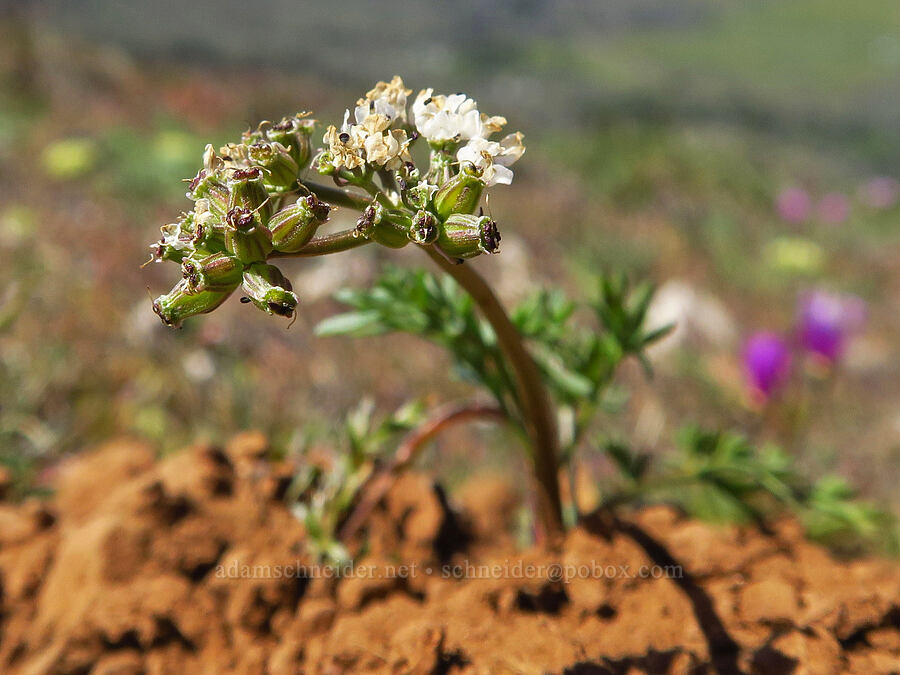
380,482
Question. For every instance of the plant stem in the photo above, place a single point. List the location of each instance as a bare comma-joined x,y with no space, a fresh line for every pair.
378,485
537,411
337,196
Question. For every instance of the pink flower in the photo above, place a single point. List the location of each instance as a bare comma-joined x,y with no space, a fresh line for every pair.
767,363
880,192
826,321
793,205
834,208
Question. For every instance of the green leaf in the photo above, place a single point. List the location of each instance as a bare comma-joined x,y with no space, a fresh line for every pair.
352,323
657,334
632,465
568,383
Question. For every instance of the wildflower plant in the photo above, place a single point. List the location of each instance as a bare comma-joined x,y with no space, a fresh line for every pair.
416,172
254,204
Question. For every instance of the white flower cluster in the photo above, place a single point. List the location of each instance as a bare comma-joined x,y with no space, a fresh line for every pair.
380,132
370,139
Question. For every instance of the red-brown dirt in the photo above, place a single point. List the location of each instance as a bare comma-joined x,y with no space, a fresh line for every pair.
187,565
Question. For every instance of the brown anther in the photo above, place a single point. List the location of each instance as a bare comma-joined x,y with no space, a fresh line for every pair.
319,208
490,236
239,218
246,174
195,181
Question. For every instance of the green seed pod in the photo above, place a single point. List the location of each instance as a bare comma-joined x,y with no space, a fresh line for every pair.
269,289
208,186
466,236
252,136
245,237
162,250
177,241
180,303
280,169
323,163
372,224
424,228
460,194
293,133
216,272
294,225
247,191
390,234
209,229
419,196
371,215
441,162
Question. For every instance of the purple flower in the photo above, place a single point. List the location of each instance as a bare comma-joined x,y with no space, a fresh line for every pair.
834,208
793,205
880,192
767,362
826,320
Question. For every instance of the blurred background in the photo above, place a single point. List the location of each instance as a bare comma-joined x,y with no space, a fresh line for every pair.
740,154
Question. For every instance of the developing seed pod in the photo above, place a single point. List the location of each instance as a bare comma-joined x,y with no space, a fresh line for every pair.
280,168
323,163
180,303
373,225
466,236
161,250
294,225
460,194
248,192
365,224
269,289
208,186
419,196
245,237
177,240
216,272
424,228
252,136
209,229
293,133
390,234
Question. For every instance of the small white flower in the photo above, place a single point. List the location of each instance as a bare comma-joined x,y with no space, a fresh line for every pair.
234,156
371,123
448,118
173,236
370,140
493,159
211,161
344,146
389,98
389,149
379,108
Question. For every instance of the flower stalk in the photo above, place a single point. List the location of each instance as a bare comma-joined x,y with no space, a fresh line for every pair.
538,413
